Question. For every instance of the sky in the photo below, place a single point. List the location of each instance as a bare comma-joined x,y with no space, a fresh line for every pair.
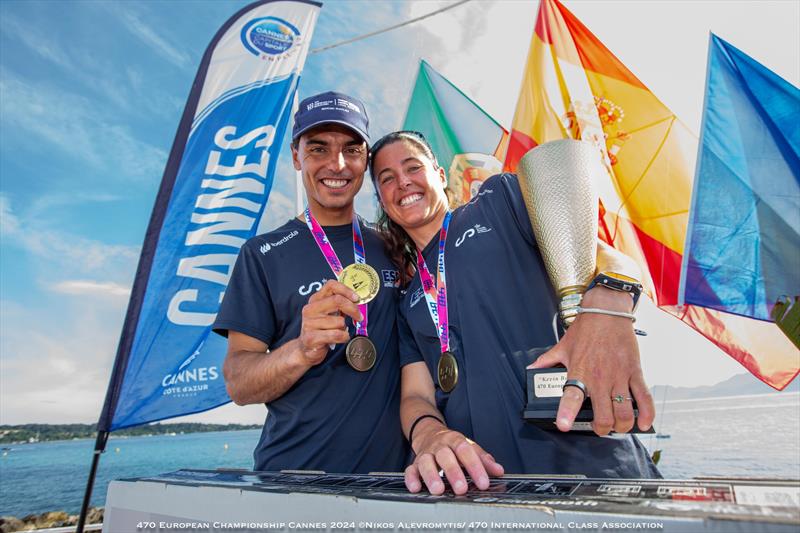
91,95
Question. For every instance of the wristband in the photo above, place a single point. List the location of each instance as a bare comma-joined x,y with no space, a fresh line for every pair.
618,282
417,421
622,314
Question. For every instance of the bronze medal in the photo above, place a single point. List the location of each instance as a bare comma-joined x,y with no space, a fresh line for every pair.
361,353
363,279
447,371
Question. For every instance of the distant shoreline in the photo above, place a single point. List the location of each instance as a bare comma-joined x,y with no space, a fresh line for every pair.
35,433
729,397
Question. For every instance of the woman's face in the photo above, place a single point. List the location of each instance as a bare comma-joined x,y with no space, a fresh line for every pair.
411,189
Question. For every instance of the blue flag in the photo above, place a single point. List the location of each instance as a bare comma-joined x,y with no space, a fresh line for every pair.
743,246
213,192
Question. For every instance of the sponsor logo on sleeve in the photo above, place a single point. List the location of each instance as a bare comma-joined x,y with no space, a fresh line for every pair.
267,246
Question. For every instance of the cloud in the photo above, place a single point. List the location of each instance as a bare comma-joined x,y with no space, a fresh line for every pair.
280,208
230,413
43,204
78,254
127,88
89,287
75,126
66,254
9,223
43,46
60,350
481,48
60,358
132,20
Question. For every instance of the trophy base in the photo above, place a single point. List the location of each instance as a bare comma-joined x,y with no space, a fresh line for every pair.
545,386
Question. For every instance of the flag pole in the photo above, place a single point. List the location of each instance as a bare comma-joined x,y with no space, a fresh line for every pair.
99,448
298,177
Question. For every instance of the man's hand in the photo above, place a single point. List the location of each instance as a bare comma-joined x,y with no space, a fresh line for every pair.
324,320
602,352
439,448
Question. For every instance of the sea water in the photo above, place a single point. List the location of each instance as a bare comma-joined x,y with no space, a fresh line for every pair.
51,476
736,436
743,436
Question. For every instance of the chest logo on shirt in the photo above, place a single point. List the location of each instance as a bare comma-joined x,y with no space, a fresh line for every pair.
390,278
267,246
416,297
471,232
312,287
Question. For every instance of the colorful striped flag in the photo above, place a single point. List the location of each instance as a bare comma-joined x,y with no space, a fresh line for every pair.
574,87
743,246
467,141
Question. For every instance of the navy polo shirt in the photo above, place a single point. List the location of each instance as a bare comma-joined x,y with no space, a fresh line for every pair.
334,418
501,307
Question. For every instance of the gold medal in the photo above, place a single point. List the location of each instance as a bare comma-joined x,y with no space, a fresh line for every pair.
447,371
363,279
361,353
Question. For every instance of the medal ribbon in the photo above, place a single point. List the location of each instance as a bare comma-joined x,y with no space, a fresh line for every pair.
333,260
436,295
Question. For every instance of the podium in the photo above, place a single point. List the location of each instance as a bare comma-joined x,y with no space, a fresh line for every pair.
234,500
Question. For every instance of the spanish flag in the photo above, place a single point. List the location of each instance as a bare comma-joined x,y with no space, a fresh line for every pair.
574,87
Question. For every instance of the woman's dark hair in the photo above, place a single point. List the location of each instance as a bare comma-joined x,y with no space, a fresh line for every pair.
398,244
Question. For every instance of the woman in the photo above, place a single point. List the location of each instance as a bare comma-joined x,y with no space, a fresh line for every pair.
489,312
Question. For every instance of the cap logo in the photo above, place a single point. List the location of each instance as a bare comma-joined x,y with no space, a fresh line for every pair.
318,103
331,107
338,104
348,105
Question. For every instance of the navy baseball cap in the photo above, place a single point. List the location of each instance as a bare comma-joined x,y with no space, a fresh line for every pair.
331,108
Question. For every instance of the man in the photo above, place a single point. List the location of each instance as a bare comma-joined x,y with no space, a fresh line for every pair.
288,320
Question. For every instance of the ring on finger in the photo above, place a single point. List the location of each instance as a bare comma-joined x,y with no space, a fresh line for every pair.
577,384
619,398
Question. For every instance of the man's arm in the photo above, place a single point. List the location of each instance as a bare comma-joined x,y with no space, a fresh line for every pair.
435,446
255,375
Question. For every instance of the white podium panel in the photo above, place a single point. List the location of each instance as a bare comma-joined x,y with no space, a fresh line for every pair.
203,500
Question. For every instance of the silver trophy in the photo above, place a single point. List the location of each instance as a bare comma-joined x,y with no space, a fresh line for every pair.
558,183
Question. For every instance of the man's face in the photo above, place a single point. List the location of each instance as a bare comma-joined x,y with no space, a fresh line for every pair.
332,160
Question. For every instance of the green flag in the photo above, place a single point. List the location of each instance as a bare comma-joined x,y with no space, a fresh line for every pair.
466,140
